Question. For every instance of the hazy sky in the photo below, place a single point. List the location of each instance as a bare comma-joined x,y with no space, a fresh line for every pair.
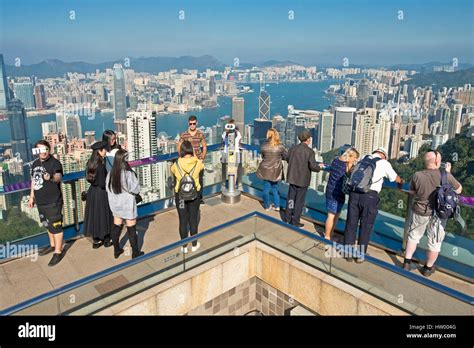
364,31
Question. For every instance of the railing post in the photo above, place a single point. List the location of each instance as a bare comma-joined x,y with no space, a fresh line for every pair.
408,216
74,206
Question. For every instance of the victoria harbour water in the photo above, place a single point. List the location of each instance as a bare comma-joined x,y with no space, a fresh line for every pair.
302,95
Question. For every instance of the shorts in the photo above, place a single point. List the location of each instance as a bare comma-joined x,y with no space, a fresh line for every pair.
51,216
434,228
333,206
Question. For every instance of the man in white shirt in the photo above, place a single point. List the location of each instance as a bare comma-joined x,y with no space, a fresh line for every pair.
363,207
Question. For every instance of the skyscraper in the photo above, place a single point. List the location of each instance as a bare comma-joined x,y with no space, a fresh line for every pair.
142,142
363,89
394,145
326,123
264,104
24,91
260,128
40,97
48,127
73,127
4,92
212,86
120,106
238,104
19,130
344,126
364,134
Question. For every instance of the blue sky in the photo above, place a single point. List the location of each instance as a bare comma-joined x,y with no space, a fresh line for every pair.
322,32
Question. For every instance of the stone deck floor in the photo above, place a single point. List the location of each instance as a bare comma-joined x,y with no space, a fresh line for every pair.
23,279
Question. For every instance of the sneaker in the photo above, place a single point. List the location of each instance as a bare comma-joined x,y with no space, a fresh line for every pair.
56,259
97,245
275,208
299,225
407,265
139,254
268,209
108,243
359,259
46,251
118,253
196,247
427,271
184,250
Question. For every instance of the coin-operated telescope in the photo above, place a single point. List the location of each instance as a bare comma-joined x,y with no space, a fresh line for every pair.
231,158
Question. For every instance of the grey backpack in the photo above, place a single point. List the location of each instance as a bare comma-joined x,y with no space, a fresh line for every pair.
360,179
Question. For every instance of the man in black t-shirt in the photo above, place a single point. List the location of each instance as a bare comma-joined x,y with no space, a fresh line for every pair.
46,174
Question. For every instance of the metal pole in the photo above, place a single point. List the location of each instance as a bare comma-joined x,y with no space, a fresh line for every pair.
408,216
74,205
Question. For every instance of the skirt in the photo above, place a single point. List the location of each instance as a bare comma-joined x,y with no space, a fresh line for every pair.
98,218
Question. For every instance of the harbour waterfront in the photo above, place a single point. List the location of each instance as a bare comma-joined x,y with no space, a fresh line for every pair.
302,96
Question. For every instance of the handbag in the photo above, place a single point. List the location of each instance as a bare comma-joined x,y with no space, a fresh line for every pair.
138,197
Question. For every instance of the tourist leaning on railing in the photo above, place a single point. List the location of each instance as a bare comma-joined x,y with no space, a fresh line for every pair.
425,217
301,162
187,198
46,174
123,188
98,218
365,184
335,197
270,169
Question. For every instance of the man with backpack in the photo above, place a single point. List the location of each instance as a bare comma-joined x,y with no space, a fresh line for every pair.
187,198
364,185
435,190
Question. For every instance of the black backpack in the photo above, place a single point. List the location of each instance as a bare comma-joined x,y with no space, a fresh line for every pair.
360,178
446,201
187,187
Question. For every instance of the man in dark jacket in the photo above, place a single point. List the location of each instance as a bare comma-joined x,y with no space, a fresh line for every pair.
301,162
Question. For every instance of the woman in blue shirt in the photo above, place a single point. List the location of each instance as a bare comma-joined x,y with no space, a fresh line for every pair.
341,166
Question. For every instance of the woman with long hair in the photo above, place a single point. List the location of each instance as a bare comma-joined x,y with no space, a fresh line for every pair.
98,217
270,169
110,138
341,168
122,186
187,203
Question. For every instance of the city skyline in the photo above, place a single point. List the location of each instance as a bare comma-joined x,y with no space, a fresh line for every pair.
309,33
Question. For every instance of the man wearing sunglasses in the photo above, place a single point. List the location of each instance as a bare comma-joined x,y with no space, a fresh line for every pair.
198,140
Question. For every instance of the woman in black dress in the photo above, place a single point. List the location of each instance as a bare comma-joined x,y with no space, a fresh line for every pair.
98,217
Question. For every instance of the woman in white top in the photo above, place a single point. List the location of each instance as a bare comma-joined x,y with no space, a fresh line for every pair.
122,186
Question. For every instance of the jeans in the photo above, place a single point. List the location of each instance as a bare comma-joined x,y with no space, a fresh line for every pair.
273,185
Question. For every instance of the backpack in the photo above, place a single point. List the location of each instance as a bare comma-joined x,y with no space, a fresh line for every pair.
187,187
360,178
446,201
